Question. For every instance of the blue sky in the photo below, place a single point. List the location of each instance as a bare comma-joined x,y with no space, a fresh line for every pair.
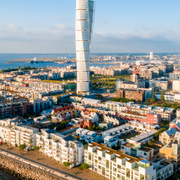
120,26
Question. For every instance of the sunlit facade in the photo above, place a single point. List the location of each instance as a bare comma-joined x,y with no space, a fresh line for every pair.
84,21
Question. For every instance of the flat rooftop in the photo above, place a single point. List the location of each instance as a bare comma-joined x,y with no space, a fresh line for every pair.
143,136
119,154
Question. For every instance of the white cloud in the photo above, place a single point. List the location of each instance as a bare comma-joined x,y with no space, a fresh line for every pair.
103,21
61,39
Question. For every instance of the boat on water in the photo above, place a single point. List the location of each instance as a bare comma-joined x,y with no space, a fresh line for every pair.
34,61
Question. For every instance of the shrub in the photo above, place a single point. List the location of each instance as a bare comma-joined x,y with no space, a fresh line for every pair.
66,164
84,166
21,146
36,148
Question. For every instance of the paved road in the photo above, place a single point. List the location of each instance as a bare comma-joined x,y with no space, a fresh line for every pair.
60,174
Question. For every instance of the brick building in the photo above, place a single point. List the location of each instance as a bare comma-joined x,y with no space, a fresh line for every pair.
137,95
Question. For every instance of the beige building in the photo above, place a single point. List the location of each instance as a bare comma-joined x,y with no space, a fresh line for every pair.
116,165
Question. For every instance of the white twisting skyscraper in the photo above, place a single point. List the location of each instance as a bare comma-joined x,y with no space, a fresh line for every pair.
84,21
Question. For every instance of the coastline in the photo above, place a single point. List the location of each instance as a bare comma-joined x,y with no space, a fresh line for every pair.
6,176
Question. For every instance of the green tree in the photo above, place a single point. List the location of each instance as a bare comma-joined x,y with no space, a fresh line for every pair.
162,96
66,164
18,67
150,143
94,127
36,148
84,166
153,99
90,128
21,146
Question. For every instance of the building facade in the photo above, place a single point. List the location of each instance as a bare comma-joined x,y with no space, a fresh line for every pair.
116,165
61,148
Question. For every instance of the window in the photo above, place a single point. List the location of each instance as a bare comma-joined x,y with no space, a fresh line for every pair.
119,176
107,163
114,169
89,156
141,177
128,173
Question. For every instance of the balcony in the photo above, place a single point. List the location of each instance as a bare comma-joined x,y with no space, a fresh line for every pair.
12,132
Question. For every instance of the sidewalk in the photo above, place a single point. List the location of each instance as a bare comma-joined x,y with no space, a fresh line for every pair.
41,159
36,165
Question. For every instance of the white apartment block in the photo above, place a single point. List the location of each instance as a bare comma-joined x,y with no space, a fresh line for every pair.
115,120
116,165
137,150
15,135
142,127
61,148
176,86
46,86
120,130
87,136
166,113
178,113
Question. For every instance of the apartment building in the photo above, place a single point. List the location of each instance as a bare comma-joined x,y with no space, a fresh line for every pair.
137,150
22,134
42,104
116,165
171,152
150,118
142,127
15,134
88,136
176,86
157,84
120,130
46,86
137,95
5,110
178,113
172,133
92,102
166,113
115,120
59,147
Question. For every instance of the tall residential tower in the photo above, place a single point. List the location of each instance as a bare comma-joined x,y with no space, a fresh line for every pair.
84,21
151,56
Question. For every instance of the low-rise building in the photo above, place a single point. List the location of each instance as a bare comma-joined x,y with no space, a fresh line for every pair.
171,152
172,133
88,136
120,130
166,113
115,120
